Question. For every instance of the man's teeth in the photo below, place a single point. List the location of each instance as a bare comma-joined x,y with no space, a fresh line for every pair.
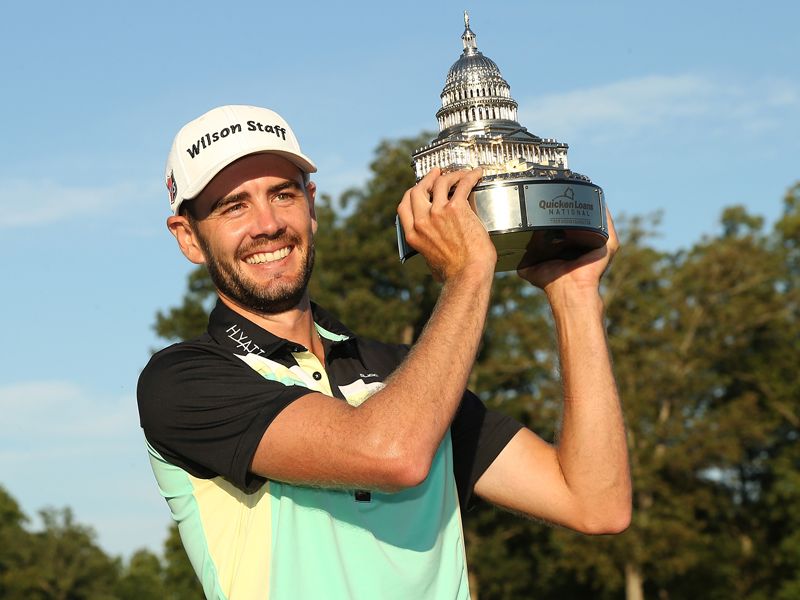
265,257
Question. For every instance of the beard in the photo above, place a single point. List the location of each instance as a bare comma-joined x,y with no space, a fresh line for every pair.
276,296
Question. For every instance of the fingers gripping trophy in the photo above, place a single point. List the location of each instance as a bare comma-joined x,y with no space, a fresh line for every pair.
534,207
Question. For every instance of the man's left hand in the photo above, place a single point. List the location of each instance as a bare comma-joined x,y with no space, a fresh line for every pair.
583,272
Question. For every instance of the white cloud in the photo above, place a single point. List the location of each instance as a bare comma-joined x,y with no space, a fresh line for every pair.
663,105
36,393
35,203
62,411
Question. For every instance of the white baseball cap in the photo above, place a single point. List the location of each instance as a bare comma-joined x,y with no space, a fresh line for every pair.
211,142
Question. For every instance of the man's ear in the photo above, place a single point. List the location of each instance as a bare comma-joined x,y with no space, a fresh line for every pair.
184,233
311,194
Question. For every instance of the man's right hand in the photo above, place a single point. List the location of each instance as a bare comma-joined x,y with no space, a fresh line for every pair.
439,223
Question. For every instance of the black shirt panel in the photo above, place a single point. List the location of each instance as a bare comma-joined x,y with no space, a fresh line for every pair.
478,435
205,410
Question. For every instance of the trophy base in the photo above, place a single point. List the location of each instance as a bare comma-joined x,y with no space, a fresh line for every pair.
533,220
517,250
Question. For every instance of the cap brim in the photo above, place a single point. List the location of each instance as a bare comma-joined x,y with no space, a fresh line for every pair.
301,161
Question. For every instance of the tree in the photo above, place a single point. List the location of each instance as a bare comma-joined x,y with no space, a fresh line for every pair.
142,579
777,514
62,562
190,318
14,540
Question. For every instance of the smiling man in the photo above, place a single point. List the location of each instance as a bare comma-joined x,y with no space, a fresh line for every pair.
302,461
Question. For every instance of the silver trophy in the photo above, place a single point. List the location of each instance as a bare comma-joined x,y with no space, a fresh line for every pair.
533,206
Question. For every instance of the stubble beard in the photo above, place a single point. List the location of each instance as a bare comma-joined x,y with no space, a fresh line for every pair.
275,296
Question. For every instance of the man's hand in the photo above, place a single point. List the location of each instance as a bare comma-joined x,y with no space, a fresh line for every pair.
583,272
439,223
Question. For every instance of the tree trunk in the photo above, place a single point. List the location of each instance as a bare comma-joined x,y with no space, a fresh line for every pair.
634,584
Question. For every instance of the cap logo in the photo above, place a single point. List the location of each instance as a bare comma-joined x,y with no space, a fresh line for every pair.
172,188
205,140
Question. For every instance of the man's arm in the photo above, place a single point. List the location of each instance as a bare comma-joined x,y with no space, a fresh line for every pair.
583,482
389,441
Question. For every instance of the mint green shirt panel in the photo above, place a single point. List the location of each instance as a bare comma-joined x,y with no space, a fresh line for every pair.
400,546
335,337
176,487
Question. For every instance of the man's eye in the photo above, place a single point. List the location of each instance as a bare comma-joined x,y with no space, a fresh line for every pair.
232,208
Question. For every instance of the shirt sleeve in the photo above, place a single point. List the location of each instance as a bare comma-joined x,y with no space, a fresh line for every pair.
205,411
478,436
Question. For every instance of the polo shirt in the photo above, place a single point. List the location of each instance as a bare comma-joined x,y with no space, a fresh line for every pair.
204,406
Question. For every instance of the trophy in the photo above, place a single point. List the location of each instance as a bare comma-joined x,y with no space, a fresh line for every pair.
533,206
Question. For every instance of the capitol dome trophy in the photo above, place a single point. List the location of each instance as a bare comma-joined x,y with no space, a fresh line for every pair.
534,207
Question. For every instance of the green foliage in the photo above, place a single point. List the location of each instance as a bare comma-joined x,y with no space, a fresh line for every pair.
788,227
62,562
12,540
190,318
143,579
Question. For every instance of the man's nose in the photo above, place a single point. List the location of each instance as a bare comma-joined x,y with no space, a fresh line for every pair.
267,220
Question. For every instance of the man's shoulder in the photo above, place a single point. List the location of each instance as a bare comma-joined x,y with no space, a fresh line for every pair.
201,345
190,354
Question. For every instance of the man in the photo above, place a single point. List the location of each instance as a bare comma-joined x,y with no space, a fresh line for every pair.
301,461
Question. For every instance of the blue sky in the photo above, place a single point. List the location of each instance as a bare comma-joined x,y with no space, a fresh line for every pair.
682,107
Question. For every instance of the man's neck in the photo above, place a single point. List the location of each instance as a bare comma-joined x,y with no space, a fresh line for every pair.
295,325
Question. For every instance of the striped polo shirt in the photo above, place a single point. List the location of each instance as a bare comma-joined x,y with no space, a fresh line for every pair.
205,405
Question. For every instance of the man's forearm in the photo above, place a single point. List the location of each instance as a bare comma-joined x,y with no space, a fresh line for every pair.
592,449
412,413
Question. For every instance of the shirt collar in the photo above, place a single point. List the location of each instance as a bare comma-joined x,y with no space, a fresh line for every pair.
237,333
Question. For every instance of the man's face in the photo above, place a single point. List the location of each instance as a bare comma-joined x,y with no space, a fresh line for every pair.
255,224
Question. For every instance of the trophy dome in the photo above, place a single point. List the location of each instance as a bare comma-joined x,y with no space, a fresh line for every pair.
471,68
474,90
